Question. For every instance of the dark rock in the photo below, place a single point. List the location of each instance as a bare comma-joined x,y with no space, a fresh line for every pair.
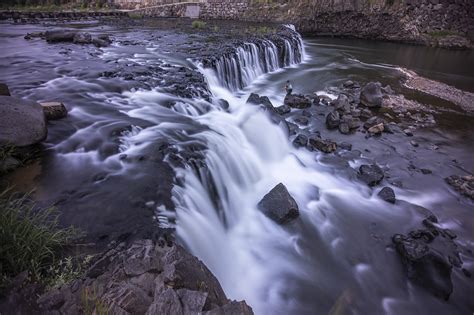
82,38
344,128
372,121
223,104
279,205
301,120
23,122
316,143
8,164
333,120
387,194
297,101
408,132
366,113
352,123
341,104
414,143
99,43
59,36
283,110
463,184
306,113
370,174
371,95
300,141
388,90
292,128
426,171
345,146
259,100
54,110
232,308
428,256
4,91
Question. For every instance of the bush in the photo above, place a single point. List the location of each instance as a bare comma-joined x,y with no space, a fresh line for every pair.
198,24
30,237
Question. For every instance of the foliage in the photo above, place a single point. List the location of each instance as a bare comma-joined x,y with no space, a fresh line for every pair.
30,237
198,24
442,33
91,303
66,271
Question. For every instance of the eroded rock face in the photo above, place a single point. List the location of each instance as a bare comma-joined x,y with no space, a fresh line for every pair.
145,278
279,205
22,122
429,256
316,143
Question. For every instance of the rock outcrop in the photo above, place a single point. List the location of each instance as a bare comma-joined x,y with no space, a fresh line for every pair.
279,205
23,122
145,278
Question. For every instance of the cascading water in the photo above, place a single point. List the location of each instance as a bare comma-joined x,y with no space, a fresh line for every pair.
245,63
247,155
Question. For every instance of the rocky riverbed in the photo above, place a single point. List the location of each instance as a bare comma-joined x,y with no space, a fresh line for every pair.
168,130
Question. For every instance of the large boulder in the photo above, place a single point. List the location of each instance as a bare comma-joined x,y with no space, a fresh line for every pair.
371,95
370,174
279,205
341,104
297,101
387,194
22,122
429,255
260,100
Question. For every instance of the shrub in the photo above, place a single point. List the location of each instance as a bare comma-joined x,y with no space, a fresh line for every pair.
198,24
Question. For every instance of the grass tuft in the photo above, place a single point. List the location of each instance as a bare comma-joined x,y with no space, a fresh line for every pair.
30,237
198,24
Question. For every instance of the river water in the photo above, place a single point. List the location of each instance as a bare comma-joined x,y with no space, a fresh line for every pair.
107,167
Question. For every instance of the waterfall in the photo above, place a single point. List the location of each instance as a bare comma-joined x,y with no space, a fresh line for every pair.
240,67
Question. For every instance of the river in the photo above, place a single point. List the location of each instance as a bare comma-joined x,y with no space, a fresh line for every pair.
107,165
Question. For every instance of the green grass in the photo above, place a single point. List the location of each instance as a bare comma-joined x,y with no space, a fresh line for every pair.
198,24
442,33
30,237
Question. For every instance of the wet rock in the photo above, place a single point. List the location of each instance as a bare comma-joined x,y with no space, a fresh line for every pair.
377,129
59,36
145,278
428,256
306,113
54,110
4,91
292,128
365,113
345,146
232,308
370,174
223,104
23,122
426,171
283,110
316,143
371,95
279,205
300,141
259,100
388,90
297,101
463,184
341,104
352,123
302,120
387,194
408,132
414,143
82,38
372,121
332,120
344,128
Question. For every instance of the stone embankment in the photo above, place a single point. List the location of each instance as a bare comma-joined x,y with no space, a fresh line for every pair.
31,16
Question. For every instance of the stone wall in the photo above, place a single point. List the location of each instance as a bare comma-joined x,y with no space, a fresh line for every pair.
224,9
